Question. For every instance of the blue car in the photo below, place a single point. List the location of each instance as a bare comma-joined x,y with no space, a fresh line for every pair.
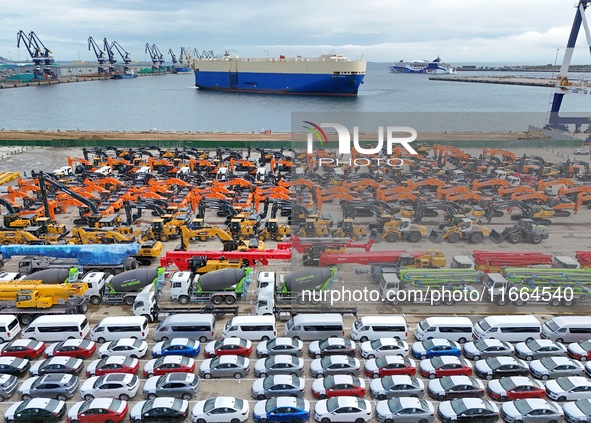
435,348
177,346
282,409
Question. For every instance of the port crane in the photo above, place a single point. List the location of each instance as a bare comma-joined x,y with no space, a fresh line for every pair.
173,58
124,55
563,85
40,54
156,56
110,56
100,55
185,58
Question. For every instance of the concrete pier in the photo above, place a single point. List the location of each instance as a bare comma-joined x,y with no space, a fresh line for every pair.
508,80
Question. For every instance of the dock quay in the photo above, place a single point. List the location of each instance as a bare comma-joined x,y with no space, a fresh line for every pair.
508,80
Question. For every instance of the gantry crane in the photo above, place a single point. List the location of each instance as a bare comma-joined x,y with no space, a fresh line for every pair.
100,55
156,56
40,55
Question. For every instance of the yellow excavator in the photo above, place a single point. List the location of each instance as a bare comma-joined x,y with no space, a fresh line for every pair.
19,237
230,244
88,236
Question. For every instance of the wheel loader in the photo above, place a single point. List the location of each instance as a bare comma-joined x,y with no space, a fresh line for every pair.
273,230
347,229
400,228
526,230
462,228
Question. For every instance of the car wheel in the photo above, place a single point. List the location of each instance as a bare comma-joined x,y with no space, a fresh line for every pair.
201,421
263,421
363,339
432,376
207,375
560,341
529,358
101,340
202,339
109,421
325,420
502,398
134,356
370,356
489,377
517,421
153,396
375,375
260,397
265,338
561,399
76,421
124,397
545,377
234,421
381,397
61,397
423,357
359,420
237,375
26,397
263,374
476,357
9,421
317,355
27,357
441,397
423,421
88,397
150,374
462,340
583,358
104,356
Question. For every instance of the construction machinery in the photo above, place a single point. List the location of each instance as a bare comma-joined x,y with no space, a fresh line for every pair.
400,259
312,229
347,229
31,264
400,229
36,294
461,228
149,250
242,229
90,236
182,259
526,230
40,55
160,230
273,230
541,214
218,286
123,288
494,261
20,236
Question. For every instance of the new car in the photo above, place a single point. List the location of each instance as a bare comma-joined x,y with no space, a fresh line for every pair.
553,367
445,366
280,345
178,385
60,386
283,409
474,410
177,346
396,386
14,366
334,365
8,384
113,364
36,410
539,348
220,410
435,348
99,410
496,367
225,366
579,350
279,365
390,365
451,387
331,346
531,410
169,364
129,347
22,348
487,348
228,346
165,409
278,386
338,386
115,385
342,409
569,388
405,410
383,346
515,387
77,348
577,411
69,365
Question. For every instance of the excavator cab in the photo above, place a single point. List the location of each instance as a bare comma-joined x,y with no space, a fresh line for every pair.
348,225
404,224
466,225
272,226
157,225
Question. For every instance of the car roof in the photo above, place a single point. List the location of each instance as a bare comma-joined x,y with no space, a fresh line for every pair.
230,358
449,359
115,359
178,341
339,358
284,341
232,341
38,402
123,341
171,359
439,341
461,379
118,377
286,401
57,377
538,403
179,376
100,403
473,402
505,359
163,402
349,401
21,342
410,402
58,360
282,378
72,342
282,358
342,378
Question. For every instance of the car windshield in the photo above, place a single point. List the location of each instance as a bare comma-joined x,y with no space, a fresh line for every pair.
332,404
209,405
522,406
323,343
565,383
584,406
507,383
428,344
394,405
148,405
271,405
532,344
551,325
446,383
137,343
162,380
437,362
548,363
329,381
376,343
71,382
84,344
71,362
586,345
493,363
483,325
480,344
458,406
387,382
424,325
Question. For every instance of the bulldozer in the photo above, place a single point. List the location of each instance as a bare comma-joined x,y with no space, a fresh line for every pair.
149,250
273,230
313,229
19,237
347,229
89,236
525,230
400,228
461,228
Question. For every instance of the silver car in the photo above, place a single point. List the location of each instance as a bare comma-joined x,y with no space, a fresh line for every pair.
396,386
58,364
279,365
539,348
177,385
405,410
8,384
278,386
225,366
554,367
335,365
532,410
280,345
60,386
487,348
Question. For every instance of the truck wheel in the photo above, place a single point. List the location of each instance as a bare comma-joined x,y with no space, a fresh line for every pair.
26,319
568,303
217,300
203,238
83,308
414,237
164,237
453,238
129,300
514,238
536,239
96,300
183,299
554,302
476,238
278,238
229,300
392,237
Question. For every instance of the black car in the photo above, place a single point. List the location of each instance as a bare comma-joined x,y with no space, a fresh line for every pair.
36,410
496,367
451,387
14,366
163,409
474,410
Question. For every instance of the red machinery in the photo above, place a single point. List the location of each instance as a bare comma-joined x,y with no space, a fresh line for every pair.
304,245
181,259
489,261
584,257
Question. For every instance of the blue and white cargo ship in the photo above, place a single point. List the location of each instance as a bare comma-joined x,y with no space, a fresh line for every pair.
327,75
423,66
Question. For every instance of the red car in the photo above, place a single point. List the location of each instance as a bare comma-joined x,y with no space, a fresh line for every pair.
445,366
98,410
338,386
515,387
228,346
390,365
77,348
113,364
169,364
22,348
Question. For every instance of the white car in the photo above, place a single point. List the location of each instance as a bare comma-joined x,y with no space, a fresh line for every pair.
129,347
342,409
220,410
577,411
383,346
115,385
539,348
531,410
569,388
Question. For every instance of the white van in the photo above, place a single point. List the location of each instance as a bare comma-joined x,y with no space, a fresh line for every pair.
508,328
9,327
57,328
254,328
190,325
114,328
368,328
457,329
265,305
567,329
311,327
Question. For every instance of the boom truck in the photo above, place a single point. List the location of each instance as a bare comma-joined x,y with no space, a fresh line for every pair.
217,287
493,261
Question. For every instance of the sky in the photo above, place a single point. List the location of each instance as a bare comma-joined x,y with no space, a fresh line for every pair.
460,31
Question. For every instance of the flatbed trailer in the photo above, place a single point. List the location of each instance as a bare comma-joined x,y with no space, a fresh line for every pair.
27,315
182,259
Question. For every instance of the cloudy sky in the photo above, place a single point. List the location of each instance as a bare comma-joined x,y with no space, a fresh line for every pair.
461,31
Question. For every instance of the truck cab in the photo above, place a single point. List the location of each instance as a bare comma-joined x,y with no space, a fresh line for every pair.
389,285
265,279
462,262
180,284
145,303
96,286
265,301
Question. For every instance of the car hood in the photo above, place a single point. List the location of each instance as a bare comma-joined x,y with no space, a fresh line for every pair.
320,407
149,366
257,385
259,409
510,410
318,385
150,384
446,409
482,367
9,414
435,386
73,411
26,385
371,365
572,410
136,411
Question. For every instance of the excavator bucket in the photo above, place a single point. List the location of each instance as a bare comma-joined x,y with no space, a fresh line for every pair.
495,237
375,235
435,236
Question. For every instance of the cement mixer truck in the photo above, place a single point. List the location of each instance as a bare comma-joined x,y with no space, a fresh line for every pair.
119,289
217,287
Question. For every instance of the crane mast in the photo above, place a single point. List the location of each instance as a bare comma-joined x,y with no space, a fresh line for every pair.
40,55
100,55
